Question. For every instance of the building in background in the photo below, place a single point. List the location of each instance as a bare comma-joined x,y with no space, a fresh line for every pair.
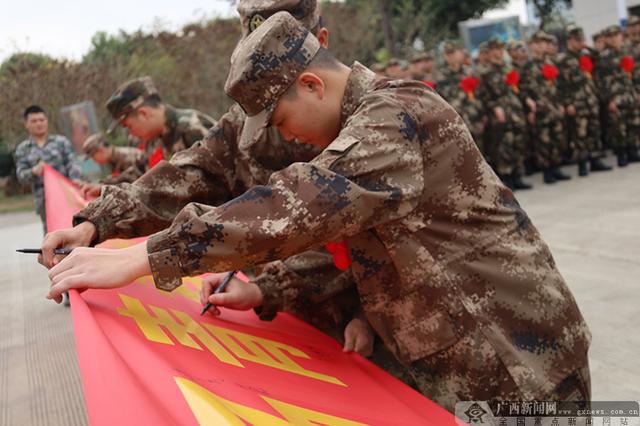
594,15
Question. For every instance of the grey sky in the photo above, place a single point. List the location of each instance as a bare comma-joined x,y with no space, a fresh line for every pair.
64,28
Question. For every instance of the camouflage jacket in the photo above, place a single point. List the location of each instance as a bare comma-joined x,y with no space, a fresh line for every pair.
467,104
430,229
543,91
127,165
577,86
185,127
617,85
213,172
494,92
57,152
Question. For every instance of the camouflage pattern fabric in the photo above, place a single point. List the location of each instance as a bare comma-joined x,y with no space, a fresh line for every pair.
507,147
57,152
578,88
127,164
185,127
433,235
547,133
467,104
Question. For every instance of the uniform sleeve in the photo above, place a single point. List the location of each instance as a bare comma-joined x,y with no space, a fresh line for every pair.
566,82
303,280
372,173
486,92
23,167
72,168
202,173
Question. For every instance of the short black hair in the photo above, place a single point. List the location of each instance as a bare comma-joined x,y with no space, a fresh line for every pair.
33,109
152,101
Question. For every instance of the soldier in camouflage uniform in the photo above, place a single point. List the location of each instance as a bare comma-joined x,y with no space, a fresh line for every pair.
506,118
517,51
213,172
451,272
39,149
422,67
126,163
620,96
539,83
580,96
482,60
137,106
457,85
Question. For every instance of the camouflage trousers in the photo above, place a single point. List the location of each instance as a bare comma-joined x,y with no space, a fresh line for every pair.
471,370
38,199
507,148
623,129
548,139
584,133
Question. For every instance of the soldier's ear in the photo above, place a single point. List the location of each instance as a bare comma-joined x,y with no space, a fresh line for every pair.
323,37
311,83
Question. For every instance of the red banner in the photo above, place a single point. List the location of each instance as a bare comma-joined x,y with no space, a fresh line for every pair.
148,357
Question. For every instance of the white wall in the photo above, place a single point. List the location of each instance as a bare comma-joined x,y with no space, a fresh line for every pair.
595,15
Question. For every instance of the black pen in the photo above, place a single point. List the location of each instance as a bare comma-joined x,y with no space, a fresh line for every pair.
39,251
220,289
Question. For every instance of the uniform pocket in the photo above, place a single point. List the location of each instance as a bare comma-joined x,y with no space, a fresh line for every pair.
426,336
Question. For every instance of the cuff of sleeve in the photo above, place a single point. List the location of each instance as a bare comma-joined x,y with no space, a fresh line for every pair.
92,213
164,261
272,296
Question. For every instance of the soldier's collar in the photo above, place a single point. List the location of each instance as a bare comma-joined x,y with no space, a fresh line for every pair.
170,123
358,85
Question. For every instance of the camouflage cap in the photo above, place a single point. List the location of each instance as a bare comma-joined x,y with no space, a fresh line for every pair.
128,97
393,62
539,36
495,43
254,12
483,46
515,45
265,65
573,31
377,67
633,20
451,46
92,143
421,56
611,30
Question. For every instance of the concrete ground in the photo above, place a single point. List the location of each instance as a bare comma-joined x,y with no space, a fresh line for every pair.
592,225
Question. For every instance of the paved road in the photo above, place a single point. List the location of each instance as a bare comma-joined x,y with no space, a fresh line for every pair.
592,225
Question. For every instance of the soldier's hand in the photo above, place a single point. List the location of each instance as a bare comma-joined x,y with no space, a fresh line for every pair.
359,337
237,295
500,115
531,118
533,107
38,169
613,108
571,110
90,189
79,236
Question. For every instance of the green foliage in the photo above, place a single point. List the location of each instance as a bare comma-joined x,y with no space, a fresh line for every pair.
548,10
23,62
105,47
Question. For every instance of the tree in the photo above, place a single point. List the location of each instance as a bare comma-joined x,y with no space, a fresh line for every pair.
546,9
22,62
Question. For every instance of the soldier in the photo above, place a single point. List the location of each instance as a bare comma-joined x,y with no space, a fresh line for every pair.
126,163
395,68
581,102
598,42
137,106
483,61
451,272
539,83
457,85
517,51
379,69
620,96
422,67
39,149
213,172
499,89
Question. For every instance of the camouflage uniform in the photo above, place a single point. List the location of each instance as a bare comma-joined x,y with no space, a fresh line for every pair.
216,170
578,89
617,86
508,139
451,272
468,105
547,133
58,153
126,163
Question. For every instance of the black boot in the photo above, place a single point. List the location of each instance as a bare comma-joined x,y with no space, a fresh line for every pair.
548,176
622,159
583,169
518,183
598,166
557,173
632,155
507,180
